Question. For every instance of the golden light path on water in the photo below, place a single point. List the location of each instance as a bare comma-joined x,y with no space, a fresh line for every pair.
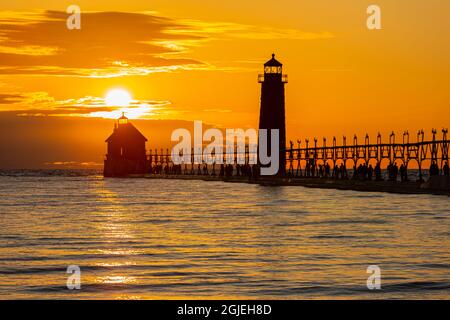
144,239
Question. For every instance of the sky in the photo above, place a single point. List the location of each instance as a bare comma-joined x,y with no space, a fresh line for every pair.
182,61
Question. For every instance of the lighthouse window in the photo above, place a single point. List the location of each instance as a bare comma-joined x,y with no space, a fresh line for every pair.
272,70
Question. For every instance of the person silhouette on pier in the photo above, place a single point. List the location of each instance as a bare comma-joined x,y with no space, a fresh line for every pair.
355,172
434,169
335,171
378,172
403,173
364,171
320,171
343,171
327,170
445,169
229,170
256,171
394,171
369,172
307,169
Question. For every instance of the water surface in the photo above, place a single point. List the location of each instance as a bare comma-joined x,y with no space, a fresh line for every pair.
145,238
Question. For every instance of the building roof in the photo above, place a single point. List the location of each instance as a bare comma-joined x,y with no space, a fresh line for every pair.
273,62
126,131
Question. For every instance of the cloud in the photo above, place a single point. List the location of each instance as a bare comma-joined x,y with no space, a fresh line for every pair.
244,31
6,98
112,44
41,104
217,110
108,44
29,100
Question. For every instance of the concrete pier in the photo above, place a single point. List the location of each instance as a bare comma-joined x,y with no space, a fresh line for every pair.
442,187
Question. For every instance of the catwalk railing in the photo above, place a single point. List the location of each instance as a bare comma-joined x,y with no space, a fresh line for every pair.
311,160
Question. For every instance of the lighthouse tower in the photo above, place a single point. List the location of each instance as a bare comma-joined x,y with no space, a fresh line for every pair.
272,112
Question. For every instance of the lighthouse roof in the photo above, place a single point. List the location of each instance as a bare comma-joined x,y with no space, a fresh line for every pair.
273,62
125,132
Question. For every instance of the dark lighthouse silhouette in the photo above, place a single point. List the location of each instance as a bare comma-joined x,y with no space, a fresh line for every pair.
272,112
126,150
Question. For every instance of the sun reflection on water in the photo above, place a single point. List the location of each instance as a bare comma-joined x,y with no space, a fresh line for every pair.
115,279
143,239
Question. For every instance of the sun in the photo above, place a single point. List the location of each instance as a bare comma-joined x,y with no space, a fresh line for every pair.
118,98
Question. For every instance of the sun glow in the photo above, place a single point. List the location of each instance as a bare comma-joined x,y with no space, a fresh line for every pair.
119,101
118,98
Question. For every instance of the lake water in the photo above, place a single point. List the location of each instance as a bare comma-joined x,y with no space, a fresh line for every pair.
149,239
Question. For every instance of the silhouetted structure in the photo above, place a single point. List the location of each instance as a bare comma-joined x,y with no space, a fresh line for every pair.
420,152
332,161
272,112
127,155
126,150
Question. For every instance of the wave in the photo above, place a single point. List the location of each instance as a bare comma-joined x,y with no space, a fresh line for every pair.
49,172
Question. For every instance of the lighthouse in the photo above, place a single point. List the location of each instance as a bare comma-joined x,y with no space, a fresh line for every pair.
126,150
272,112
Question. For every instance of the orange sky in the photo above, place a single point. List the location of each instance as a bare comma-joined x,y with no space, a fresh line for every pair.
199,60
